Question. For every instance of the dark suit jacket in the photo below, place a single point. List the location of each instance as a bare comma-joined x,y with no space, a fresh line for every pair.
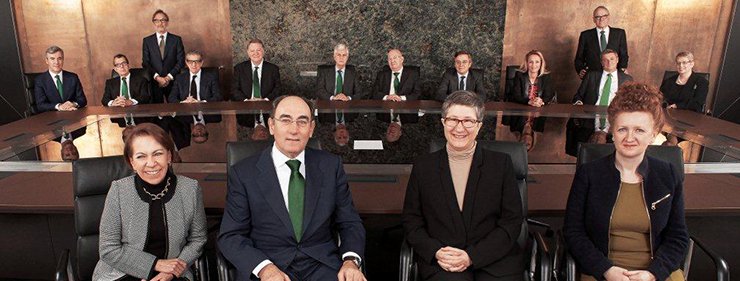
545,89
47,96
174,55
209,90
692,96
588,215
410,84
489,224
325,82
138,88
588,92
589,52
241,88
449,84
256,225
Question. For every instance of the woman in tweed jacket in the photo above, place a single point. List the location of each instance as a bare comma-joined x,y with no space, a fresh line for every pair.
153,225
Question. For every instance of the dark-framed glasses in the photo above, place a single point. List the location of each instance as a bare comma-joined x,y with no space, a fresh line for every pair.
466,123
120,64
193,61
160,20
300,122
601,17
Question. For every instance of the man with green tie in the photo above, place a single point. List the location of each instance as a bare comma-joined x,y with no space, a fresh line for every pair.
255,79
593,42
337,81
288,207
396,82
125,90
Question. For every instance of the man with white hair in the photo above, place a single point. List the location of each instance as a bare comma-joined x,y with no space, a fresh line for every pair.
338,81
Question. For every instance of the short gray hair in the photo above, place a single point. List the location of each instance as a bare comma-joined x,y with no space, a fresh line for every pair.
53,50
195,52
465,98
340,47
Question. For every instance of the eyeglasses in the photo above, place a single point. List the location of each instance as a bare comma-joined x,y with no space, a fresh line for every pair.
684,62
193,61
302,123
601,17
120,64
452,122
160,20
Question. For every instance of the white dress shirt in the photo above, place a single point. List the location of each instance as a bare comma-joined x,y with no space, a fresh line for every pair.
393,89
460,77
197,84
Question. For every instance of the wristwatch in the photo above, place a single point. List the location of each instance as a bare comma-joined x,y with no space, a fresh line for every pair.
353,259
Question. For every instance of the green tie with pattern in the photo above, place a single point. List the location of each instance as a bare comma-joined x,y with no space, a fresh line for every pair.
256,84
124,88
59,87
603,40
604,100
340,83
396,83
296,194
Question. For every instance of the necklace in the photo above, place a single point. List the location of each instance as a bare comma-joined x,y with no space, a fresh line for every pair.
161,194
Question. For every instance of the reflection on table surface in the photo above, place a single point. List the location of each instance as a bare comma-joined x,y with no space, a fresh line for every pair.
404,130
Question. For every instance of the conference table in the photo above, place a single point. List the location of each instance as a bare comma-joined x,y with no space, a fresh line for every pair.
34,180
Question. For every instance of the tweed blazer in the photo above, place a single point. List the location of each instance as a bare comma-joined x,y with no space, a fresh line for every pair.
124,224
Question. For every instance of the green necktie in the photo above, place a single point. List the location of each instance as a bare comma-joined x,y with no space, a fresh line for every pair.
396,83
340,117
59,87
603,41
604,100
340,83
124,88
256,84
296,194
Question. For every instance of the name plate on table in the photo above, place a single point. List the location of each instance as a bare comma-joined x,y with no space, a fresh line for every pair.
368,145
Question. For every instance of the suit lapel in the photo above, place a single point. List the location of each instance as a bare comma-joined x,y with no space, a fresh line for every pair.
67,86
331,79
348,76
314,188
448,191
202,86
471,188
117,88
168,45
611,44
269,186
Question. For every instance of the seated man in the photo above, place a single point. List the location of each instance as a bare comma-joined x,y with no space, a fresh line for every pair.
125,90
461,77
396,83
266,231
195,85
338,81
255,79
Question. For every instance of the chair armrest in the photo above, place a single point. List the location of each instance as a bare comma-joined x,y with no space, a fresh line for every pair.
226,272
548,233
407,265
720,264
200,268
571,271
542,262
64,267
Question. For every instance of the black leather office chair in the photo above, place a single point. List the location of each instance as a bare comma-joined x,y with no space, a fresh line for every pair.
509,83
589,152
134,72
28,79
669,73
92,178
535,248
235,152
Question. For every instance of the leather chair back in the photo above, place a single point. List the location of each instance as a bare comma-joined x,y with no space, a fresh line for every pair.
509,86
672,154
669,73
92,178
239,150
134,72
29,83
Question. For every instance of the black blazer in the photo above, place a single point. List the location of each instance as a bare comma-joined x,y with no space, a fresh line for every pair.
544,88
138,89
692,96
241,87
588,92
589,52
47,96
174,55
588,215
449,83
489,224
326,82
410,84
209,90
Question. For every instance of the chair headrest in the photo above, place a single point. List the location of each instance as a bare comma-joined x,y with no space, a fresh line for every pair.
237,151
93,176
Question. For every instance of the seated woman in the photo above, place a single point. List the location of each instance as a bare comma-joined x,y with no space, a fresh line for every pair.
686,89
625,214
153,225
532,86
463,212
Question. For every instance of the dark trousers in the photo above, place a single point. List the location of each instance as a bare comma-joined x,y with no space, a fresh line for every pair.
472,275
159,95
305,268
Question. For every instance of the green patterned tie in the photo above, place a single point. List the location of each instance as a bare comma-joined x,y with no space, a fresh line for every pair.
340,83
124,88
256,84
59,87
396,83
604,100
296,194
603,41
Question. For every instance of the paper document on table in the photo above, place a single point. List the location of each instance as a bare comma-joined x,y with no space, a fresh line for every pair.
368,145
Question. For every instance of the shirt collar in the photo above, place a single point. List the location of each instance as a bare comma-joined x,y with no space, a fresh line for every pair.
258,65
198,73
336,68
160,34
128,77
279,158
55,74
400,71
461,75
613,73
605,29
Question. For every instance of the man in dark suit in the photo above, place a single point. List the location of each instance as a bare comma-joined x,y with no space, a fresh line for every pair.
125,90
163,55
284,204
338,81
255,79
195,85
461,77
396,83
594,41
